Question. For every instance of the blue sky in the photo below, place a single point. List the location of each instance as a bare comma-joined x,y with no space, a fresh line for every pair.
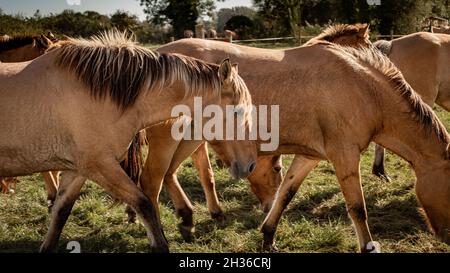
28,7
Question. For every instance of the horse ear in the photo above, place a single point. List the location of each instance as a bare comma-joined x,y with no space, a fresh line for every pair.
225,70
52,37
236,68
364,30
44,41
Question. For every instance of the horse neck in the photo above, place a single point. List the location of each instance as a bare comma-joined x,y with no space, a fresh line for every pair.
406,136
156,106
20,54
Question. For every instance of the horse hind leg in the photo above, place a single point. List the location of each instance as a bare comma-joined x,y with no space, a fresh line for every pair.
115,181
299,169
378,164
71,185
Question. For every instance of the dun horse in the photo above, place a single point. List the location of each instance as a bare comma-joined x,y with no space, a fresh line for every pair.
21,49
24,48
166,154
87,101
422,57
314,87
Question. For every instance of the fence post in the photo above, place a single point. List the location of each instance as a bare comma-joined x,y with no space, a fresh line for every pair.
172,39
392,34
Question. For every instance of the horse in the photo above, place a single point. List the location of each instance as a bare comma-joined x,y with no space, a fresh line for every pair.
24,48
15,50
231,35
86,102
411,54
423,58
443,30
315,86
211,33
166,154
188,34
344,34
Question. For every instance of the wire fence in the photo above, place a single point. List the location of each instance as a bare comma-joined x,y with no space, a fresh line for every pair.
301,40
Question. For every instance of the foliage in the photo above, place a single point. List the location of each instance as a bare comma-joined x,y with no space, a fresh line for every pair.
181,15
401,16
225,14
242,25
83,24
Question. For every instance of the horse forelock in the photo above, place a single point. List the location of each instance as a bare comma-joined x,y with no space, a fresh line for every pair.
18,41
113,64
418,109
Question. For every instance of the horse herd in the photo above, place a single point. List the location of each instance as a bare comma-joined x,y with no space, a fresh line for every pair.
78,106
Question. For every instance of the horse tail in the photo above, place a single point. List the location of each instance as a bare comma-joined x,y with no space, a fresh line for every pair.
383,46
133,162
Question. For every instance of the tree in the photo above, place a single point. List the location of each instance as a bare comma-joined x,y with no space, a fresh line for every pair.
122,20
181,15
240,24
225,14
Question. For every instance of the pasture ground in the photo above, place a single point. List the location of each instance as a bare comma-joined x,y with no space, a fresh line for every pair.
315,221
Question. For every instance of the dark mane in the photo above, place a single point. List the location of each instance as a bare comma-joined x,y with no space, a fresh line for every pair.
418,109
113,65
339,30
14,42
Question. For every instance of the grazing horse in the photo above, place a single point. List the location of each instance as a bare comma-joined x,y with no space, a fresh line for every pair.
166,154
87,101
422,57
315,86
21,49
424,60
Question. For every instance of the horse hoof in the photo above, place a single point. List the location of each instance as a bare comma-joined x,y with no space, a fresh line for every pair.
159,249
219,217
270,247
382,176
373,247
187,232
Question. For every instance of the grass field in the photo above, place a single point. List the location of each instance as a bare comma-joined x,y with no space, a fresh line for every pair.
315,221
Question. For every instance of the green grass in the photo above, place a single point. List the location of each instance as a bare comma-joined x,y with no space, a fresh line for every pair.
315,220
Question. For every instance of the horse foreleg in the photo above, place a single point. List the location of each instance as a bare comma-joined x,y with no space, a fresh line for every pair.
183,206
299,169
202,163
378,163
348,173
71,184
51,186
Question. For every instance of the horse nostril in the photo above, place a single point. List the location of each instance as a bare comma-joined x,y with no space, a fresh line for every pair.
277,169
251,167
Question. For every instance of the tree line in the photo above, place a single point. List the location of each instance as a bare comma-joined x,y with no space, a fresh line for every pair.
267,18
